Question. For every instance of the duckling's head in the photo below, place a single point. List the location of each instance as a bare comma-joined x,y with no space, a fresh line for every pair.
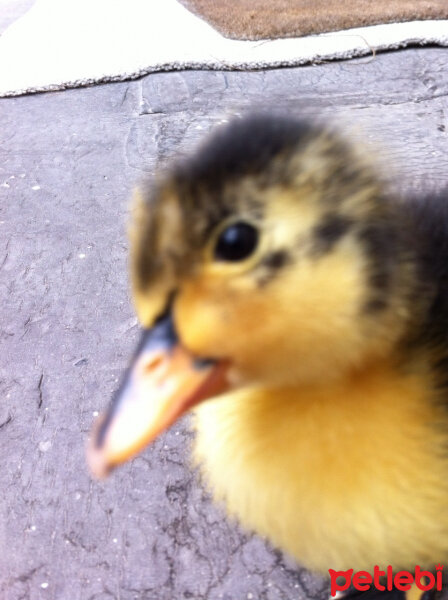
275,252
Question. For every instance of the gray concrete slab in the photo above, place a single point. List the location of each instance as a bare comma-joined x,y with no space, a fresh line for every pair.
68,161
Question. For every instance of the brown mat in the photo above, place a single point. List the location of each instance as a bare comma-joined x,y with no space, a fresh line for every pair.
259,19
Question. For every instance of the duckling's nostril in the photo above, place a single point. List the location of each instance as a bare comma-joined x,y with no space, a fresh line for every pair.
203,363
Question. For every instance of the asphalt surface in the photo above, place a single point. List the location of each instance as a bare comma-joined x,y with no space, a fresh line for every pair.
68,162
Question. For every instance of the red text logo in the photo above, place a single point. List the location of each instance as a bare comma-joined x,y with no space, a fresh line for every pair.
386,580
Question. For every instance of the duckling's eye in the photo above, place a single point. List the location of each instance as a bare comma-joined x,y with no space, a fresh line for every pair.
236,242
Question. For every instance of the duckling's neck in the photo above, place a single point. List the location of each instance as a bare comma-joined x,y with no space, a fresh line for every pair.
338,475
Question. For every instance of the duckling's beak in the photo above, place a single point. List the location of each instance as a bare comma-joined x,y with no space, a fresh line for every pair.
163,381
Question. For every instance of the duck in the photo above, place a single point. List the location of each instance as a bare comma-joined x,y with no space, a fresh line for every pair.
297,307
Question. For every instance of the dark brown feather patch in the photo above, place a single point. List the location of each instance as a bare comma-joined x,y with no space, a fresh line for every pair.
328,232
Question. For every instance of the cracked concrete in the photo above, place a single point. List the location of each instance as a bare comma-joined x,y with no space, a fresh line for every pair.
68,162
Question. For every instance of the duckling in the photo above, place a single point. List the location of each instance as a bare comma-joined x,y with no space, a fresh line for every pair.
300,312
